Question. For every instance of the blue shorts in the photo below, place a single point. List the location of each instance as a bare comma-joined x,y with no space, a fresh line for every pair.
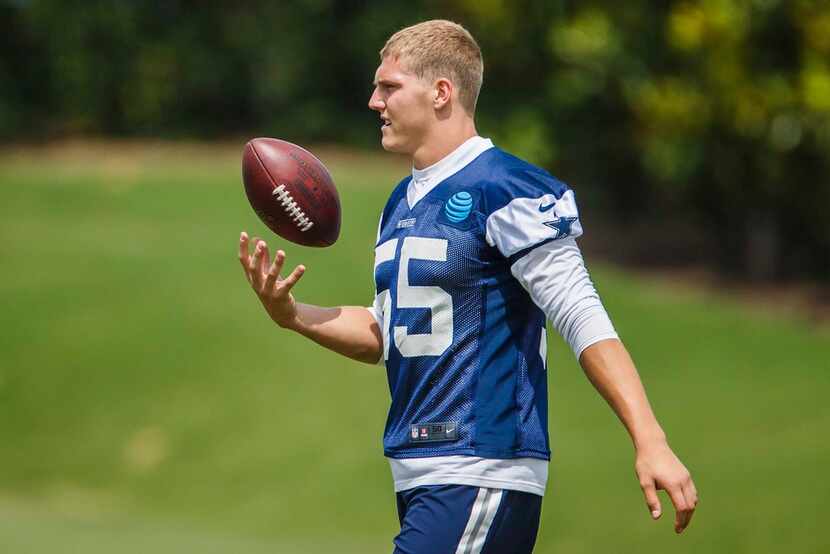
460,519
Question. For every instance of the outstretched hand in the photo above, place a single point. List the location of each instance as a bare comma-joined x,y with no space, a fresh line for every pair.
264,277
658,468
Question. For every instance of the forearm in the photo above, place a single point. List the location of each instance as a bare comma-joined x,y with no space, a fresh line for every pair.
347,330
611,370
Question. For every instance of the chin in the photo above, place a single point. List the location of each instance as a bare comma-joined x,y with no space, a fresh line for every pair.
392,146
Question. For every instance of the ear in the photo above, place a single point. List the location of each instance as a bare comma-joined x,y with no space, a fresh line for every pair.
442,93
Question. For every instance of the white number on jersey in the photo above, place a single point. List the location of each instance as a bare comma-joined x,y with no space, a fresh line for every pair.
436,299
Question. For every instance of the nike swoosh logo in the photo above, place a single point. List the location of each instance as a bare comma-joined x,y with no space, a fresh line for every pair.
546,208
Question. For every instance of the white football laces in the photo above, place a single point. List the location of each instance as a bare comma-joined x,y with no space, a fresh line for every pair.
293,209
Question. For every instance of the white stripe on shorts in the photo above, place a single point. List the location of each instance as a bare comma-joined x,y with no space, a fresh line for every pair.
481,517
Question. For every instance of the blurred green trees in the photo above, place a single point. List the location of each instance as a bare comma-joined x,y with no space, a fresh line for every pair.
713,113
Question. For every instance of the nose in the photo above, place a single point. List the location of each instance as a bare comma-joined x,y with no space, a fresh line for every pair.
375,101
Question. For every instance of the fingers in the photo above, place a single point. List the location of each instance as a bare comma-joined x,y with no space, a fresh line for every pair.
682,511
266,258
256,259
652,500
283,286
243,251
249,259
255,267
274,271
261,273
659,468
243,248
690,510
685,491
292,279
690,494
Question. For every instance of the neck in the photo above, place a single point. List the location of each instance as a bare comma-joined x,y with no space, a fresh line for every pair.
442,141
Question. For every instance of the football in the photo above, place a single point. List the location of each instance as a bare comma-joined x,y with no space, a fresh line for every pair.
291,191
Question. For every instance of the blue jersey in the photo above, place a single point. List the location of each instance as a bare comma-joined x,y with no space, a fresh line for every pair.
463,341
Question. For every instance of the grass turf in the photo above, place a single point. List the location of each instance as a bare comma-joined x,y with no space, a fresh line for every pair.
147,403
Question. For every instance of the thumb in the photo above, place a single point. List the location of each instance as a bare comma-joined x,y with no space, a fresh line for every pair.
652,500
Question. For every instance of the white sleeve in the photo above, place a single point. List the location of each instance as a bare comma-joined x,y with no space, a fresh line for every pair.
527,222
376,309
380,302
555,276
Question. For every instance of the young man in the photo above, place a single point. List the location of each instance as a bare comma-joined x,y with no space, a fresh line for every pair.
475,250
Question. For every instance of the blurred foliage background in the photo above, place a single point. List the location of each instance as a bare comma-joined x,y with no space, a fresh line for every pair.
699,126
147,404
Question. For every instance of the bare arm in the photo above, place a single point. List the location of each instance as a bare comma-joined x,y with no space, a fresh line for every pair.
611,370
348,330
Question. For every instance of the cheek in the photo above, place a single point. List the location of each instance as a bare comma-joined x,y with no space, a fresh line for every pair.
396,105
409,111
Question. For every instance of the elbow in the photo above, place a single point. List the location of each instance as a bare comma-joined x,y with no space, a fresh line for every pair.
368,356
370,352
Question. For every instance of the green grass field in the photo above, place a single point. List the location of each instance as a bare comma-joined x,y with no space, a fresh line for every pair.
148,405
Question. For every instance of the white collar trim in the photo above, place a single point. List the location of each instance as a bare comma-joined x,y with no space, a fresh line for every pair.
424,180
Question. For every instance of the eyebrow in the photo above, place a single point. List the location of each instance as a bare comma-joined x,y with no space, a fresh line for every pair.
376,82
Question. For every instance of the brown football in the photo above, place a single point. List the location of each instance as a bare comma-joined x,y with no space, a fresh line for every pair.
291,191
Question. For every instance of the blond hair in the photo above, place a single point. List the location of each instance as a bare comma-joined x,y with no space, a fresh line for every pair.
440,48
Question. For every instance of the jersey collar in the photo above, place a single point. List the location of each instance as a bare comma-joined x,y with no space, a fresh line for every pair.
424,180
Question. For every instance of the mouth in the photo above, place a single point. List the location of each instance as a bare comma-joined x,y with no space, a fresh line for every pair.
384,122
